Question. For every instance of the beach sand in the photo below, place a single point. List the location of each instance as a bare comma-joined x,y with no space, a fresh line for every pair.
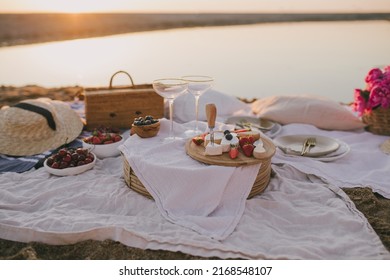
375,208
19,29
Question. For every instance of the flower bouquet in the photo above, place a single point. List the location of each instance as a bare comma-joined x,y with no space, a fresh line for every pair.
373,102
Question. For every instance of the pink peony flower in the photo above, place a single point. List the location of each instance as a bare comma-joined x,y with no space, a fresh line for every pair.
376,94
374,74
360,103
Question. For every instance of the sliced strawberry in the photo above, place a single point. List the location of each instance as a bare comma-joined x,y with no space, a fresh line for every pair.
248,149
233,153
198,140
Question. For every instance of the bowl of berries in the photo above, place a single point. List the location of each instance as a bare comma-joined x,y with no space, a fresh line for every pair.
104,142
145,127
69,161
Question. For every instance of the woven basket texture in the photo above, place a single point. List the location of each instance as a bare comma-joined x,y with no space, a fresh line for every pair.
378,121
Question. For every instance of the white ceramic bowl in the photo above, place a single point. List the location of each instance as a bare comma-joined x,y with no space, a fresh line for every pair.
105,150
70,170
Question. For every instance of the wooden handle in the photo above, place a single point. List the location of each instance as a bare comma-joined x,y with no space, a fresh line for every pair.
211,114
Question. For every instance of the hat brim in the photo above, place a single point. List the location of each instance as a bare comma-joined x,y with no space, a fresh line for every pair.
68,128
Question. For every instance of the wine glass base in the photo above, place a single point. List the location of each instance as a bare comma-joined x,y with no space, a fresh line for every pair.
171,139
192,132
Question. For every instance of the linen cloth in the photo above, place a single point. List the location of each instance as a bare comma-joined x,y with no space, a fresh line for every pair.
209,199
295,218
365,164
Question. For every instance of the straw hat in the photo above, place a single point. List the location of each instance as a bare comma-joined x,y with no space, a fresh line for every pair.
37,125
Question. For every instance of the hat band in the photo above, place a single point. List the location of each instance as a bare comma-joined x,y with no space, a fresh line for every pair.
39,110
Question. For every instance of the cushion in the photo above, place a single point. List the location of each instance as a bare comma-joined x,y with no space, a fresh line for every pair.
320,112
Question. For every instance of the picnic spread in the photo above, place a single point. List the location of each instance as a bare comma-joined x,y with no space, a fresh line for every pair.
258,185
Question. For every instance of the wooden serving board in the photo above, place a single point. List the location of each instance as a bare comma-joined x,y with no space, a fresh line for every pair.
198,153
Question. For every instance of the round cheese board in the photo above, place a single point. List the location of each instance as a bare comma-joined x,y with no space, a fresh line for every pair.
197,152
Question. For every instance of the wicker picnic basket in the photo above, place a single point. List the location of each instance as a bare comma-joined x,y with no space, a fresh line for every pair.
263,177
378,121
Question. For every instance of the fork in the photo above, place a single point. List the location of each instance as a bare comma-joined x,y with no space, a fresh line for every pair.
310,142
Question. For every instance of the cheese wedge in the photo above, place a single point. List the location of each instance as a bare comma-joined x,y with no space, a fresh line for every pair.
213,150
259,151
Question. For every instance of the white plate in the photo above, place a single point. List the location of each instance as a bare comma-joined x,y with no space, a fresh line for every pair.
339,153
293,144
258,123
70,170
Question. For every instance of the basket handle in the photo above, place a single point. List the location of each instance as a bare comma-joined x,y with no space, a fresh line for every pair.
124,72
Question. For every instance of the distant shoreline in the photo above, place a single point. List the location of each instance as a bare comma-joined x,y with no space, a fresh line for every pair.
21,29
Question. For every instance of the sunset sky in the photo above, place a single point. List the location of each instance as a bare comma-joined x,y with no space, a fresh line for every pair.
74,6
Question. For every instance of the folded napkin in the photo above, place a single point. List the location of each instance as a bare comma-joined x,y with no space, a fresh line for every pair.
365,164
209,199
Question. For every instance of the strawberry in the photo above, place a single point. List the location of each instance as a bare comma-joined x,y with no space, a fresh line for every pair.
233,153
246,140
243,141
108,142
198,140
251,139
96,140
117,138
248,149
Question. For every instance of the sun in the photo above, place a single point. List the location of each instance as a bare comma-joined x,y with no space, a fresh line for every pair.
74,8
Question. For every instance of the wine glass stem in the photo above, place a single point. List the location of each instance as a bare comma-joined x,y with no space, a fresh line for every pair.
170,101
196,111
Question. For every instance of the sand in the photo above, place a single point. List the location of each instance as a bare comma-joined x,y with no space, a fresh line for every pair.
18,29
375,208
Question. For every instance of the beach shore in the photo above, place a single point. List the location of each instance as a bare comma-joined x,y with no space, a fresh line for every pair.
19,29
374,207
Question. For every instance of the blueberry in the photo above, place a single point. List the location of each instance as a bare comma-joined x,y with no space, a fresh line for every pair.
226,132
229,137
147,122
148,118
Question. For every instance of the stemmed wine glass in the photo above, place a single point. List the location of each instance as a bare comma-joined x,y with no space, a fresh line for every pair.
197,85
170,88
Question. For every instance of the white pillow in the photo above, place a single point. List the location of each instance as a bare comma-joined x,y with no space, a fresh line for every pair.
321,112
227,105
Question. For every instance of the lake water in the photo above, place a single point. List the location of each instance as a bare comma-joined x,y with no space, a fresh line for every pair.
320,58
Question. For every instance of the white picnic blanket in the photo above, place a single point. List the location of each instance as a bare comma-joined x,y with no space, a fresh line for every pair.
297,217
365,164
209,199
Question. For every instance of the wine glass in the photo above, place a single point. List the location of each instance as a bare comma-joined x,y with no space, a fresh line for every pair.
197,85
170,88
